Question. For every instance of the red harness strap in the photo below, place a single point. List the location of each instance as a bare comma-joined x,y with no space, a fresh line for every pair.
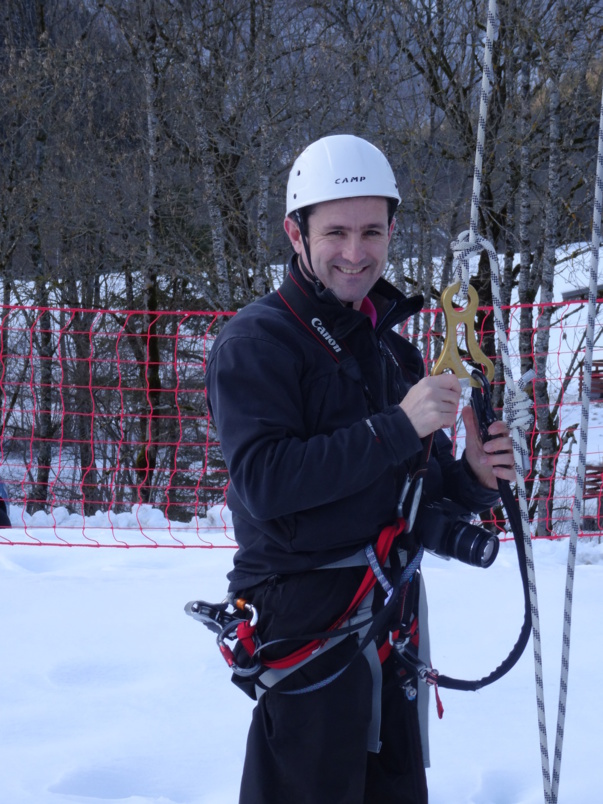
245,631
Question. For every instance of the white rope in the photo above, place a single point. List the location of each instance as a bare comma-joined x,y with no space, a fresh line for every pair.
517,412
486,90
515,404
470,244
581,473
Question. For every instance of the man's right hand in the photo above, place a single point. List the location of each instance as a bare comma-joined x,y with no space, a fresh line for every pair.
432,403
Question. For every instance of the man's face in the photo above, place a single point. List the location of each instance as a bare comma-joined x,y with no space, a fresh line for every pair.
348,242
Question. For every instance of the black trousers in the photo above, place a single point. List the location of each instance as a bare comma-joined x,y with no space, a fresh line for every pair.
311,748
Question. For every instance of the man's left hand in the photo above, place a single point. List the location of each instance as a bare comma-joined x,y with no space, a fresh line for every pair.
491,460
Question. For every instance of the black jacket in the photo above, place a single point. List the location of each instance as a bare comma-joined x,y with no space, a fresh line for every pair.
316,445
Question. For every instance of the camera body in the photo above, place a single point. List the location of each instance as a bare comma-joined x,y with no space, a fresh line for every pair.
445,528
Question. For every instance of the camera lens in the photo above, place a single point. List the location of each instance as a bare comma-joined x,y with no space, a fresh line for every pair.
489,552
472,545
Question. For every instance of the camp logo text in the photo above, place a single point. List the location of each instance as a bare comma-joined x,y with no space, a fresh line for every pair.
351,179
317,324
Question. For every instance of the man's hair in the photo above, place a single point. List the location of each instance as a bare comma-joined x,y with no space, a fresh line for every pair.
305,212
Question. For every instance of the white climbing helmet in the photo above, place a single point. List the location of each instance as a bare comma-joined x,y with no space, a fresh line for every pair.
339,166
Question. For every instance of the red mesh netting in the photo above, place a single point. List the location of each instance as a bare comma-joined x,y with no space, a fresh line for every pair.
106,439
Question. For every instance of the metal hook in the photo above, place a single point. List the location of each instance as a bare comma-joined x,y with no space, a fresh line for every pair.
450,358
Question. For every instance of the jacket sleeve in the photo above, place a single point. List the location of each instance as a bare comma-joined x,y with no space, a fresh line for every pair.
255,397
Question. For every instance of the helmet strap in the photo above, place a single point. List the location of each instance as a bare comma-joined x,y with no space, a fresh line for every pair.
303,230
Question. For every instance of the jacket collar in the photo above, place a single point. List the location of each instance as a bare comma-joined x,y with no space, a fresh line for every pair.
392,306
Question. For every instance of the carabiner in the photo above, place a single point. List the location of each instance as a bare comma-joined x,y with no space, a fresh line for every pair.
228,655
450,357
414,666
248,608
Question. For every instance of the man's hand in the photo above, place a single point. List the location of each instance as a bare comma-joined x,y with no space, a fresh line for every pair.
432,403
491,460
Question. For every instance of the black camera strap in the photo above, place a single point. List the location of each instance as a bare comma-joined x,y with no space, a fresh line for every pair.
482,404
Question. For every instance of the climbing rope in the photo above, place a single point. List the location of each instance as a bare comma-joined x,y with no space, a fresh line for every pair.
486,91
517,412
518,416
516,407
581,473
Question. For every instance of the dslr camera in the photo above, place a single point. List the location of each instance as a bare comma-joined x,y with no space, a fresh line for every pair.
444,528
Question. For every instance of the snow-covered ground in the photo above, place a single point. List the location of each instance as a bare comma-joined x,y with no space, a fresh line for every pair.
109,691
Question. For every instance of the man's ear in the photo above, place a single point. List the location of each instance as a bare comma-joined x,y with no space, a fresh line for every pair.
294,234
392,226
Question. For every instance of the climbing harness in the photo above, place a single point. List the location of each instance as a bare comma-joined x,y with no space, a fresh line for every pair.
237,620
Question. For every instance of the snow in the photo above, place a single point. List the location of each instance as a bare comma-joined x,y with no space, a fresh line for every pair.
108,691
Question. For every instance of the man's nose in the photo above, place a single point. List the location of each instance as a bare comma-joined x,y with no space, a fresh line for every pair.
353,250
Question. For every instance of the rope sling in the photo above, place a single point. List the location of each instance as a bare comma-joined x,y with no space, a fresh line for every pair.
517,404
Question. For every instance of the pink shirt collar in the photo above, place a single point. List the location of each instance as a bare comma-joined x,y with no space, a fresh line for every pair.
368,308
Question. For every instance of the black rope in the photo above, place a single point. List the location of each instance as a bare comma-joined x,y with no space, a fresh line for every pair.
483,408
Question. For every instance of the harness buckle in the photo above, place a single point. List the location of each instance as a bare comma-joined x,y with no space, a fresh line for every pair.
412,665
238,624
213,615
249,609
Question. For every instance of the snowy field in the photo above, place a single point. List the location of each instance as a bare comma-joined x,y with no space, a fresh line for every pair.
110,692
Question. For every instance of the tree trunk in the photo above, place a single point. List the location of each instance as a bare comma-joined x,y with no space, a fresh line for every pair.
146,460
41,446
546,425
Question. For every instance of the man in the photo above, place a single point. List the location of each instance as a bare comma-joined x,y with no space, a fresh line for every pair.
323,414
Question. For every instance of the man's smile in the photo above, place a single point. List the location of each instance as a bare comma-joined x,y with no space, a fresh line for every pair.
350,271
